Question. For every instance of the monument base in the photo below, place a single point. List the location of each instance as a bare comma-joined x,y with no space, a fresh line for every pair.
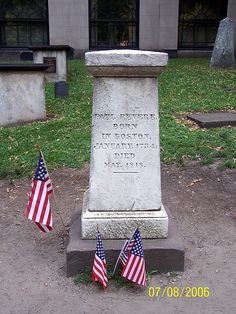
152,224
160,254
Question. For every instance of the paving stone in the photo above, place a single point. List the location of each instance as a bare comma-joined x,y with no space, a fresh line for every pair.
214,119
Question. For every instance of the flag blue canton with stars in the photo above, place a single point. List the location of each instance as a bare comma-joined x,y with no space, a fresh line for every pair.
41,172
99,272
99,248
134,268
137,248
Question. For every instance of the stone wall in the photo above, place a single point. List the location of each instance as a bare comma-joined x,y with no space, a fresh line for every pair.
158,24
149,24
158,28
69,23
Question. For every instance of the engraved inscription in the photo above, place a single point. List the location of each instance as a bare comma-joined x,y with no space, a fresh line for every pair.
126,126
124,137
132,136
124,155
126,116
104,116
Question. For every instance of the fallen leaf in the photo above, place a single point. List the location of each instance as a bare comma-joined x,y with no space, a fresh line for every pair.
82,190
194,182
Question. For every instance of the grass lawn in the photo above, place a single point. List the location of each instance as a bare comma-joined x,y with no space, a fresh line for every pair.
188,85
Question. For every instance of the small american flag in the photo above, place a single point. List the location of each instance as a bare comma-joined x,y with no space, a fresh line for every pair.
99,272
134,268
38,208
126,251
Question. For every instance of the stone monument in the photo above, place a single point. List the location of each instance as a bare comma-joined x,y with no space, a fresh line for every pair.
223,52
125,184
55,56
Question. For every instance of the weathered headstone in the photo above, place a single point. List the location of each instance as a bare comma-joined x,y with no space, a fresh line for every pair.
125,184
223,52
22,93
55,56
61,89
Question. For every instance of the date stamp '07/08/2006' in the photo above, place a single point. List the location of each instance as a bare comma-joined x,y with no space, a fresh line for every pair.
177,292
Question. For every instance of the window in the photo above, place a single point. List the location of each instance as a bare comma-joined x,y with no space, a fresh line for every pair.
199,21
23,23
114,23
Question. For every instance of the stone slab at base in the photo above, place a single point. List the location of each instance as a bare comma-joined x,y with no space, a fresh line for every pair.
214,119
119,224
160,254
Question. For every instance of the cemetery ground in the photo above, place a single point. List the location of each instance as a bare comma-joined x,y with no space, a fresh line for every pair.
32,264
198,185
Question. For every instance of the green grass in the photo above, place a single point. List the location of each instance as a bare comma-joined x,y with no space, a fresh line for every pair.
188,85
85,277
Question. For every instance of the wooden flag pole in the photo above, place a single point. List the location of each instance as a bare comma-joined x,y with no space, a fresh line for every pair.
121,251
54,195
123,246
117,261
58,212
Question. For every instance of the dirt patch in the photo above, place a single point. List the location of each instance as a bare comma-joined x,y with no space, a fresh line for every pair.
201,200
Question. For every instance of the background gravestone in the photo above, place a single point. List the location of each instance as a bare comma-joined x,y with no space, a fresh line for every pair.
223,52
61,89
56,59
22,93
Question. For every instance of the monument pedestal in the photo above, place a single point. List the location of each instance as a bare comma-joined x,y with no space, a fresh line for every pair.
160,254
125,185
120,225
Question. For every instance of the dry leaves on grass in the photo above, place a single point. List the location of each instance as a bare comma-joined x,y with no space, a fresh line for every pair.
219,148
181,119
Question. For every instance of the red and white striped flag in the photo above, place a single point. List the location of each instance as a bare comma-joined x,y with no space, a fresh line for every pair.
126,251
123,256
134,268
99,272
38,208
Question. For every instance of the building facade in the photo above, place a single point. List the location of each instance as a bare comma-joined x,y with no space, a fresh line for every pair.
159,25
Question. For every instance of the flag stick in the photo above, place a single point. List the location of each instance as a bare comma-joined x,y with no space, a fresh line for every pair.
127,241
121,252
117,261
55,198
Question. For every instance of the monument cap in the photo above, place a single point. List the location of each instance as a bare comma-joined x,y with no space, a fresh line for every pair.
126,57
125,62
